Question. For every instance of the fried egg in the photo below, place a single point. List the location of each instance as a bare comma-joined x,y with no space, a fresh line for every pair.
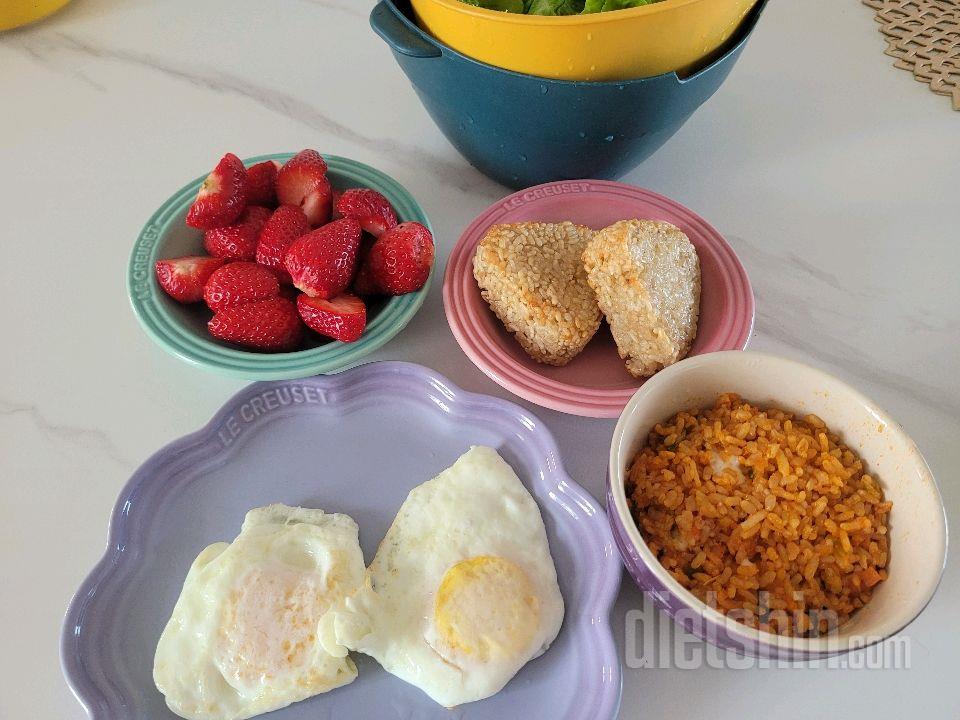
242,639
462,592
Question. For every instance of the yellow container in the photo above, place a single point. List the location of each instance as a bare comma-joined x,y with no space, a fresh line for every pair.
14,13
616,45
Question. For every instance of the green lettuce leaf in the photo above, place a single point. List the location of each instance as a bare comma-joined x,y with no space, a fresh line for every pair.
593,6
513,6
557,7
554,7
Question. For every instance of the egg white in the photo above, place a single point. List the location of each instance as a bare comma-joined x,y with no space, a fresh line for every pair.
242,639
475,512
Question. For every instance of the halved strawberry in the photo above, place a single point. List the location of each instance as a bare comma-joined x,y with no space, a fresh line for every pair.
271,325
302,181
342,318
262,183
285,225
222,196
371,209
239,283
400,260
322,262
183,278
237,241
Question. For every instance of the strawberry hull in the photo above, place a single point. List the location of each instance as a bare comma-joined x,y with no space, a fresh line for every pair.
222,196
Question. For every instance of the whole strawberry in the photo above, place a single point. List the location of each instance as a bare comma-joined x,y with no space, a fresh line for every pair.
222,197
239,283
322,263
400,260
371,209
237,241
342,318
302,182
285,225
262,183
183,278
271,325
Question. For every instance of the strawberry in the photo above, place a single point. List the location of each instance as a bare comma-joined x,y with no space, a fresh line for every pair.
322,262
302,181
261,183
222,196
371,209
285,225
183,278
334,199
400,260
342,318
239,240
271,325
239,283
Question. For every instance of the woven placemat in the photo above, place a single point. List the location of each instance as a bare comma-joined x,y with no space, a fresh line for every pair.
924,37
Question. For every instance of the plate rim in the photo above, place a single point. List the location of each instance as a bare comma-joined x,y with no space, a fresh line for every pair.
145,296
554,394
124,547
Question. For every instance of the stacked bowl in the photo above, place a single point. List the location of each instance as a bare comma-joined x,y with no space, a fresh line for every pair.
529,99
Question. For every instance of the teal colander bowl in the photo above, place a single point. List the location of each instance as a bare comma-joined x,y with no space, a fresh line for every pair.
182,329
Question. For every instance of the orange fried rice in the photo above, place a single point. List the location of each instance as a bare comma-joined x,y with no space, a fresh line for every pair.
765,516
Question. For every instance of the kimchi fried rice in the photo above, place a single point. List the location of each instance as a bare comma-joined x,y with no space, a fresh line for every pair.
766,516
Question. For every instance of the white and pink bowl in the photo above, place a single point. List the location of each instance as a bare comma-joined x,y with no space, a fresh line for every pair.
918,527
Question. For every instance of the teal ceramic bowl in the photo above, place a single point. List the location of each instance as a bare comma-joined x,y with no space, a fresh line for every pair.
182,329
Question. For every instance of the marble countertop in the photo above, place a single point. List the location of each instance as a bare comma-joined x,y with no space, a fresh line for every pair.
834,176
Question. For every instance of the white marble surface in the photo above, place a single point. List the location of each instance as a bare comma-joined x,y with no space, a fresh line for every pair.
834,176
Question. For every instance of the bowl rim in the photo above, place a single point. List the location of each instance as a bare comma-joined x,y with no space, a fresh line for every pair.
620,513
163,328
654,8
733,45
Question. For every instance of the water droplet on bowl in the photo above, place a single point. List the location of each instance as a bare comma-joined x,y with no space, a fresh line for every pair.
582,134
609,138
470,119
592,68
523,157
544,89
619,87
589,36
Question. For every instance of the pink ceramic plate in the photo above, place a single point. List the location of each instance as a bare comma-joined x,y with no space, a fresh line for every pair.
595,383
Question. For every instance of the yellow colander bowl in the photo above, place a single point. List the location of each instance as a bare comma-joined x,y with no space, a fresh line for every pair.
14,13
673,35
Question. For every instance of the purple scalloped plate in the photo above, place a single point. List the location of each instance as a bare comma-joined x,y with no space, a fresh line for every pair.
357,443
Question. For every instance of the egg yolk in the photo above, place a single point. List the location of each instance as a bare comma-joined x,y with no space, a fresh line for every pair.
487,608
268,628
